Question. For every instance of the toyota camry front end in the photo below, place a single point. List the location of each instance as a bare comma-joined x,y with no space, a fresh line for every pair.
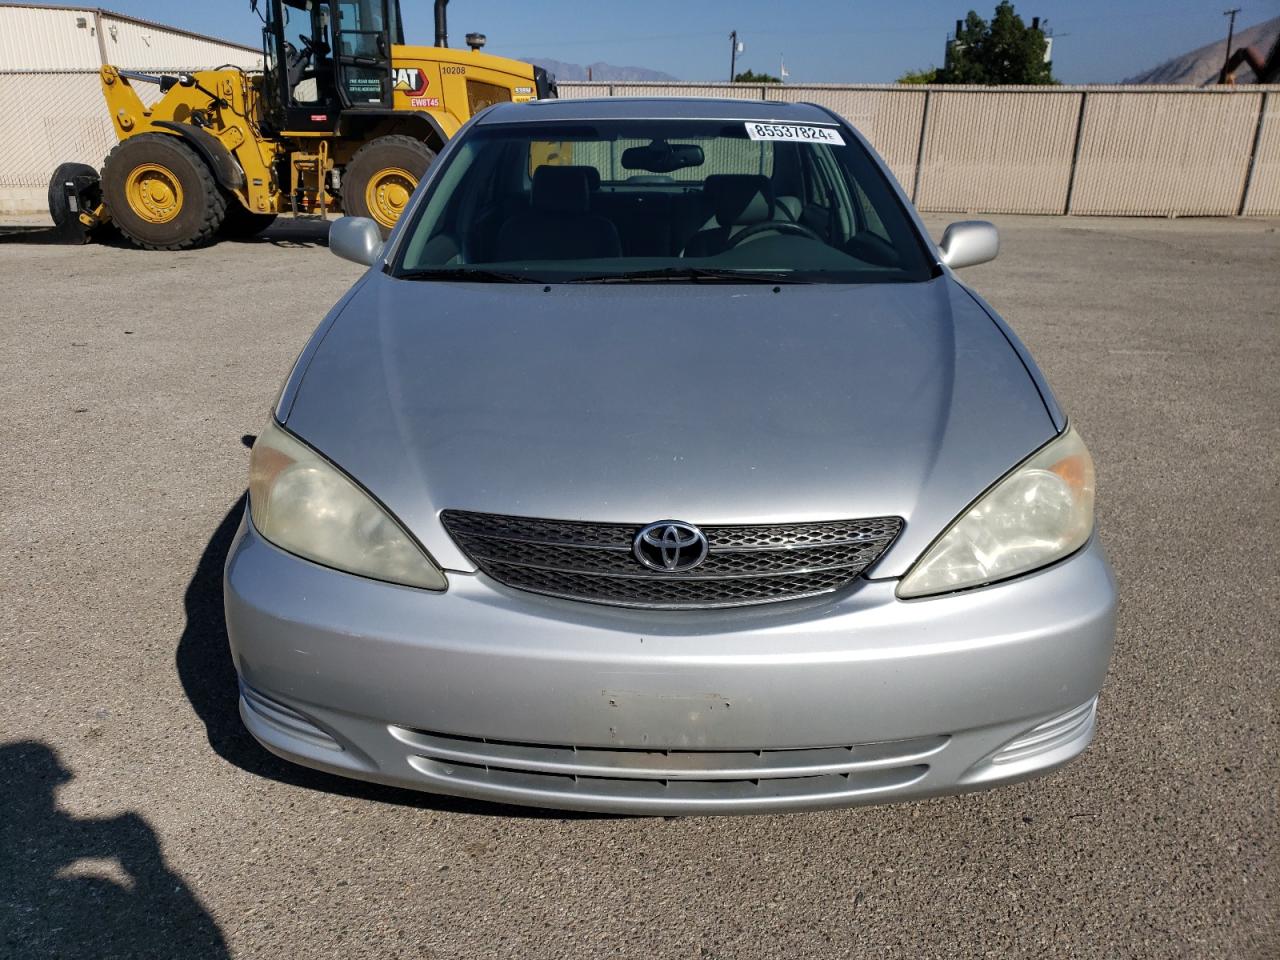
661,464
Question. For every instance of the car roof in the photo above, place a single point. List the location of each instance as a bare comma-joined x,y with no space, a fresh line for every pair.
656,108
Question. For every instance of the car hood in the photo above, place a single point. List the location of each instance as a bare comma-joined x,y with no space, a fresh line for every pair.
630,403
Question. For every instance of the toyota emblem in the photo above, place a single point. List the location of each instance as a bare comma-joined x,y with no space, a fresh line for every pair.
670,546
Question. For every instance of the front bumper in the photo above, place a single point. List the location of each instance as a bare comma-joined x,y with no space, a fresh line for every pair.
494,694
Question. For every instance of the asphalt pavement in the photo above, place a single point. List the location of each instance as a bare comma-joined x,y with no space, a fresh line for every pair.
138,819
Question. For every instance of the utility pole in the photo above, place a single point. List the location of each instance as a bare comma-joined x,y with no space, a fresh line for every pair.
733,55
1231,29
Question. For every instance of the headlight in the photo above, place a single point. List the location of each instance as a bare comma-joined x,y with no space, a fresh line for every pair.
304,504
1039,512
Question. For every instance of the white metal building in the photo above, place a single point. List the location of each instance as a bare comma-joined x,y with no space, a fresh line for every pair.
51,106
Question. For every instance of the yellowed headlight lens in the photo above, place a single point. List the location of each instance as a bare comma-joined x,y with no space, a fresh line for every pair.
1039,512
305,505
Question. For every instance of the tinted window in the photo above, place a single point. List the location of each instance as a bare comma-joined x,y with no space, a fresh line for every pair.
663,200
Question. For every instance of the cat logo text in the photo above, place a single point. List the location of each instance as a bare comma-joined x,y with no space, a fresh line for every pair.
411,80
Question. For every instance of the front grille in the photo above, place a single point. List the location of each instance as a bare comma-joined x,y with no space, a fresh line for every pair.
554,773
744,564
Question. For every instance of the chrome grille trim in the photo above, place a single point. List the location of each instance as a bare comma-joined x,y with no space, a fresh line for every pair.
658,796
746,564
672,764
618,561
653,779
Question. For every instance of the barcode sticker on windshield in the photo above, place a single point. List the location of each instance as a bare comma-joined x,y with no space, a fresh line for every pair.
791,131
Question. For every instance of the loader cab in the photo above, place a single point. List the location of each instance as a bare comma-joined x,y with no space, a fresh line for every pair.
327,56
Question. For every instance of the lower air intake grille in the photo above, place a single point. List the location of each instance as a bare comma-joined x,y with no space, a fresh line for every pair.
596,561
567,774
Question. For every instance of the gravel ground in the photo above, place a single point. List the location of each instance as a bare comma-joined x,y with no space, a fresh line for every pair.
139,820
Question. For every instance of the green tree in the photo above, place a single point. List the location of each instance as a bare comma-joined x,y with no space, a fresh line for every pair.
748,76
1005,50
920,76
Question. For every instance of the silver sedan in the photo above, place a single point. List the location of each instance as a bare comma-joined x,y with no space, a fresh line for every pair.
660,464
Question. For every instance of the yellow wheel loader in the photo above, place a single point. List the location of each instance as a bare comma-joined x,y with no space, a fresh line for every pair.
342,114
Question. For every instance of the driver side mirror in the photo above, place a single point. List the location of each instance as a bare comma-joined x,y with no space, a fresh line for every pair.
969,242
358,239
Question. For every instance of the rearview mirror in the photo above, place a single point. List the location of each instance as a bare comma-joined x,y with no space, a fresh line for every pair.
662,157
357,239
967,242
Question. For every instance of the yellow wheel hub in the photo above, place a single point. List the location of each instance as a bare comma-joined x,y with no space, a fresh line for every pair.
154,193
388,193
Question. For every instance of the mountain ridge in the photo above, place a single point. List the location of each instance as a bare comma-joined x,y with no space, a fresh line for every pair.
1200,67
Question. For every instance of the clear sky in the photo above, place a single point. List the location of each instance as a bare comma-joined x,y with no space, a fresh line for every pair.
827,41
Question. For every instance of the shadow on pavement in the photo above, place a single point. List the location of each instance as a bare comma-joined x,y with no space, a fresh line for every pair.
286,232
209,678
75,887
45,235
30,235
289,232
293,232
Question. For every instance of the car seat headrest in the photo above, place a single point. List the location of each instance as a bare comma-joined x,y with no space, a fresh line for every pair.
739,199
564,189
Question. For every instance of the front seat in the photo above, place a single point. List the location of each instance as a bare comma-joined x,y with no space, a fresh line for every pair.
737,201
559,224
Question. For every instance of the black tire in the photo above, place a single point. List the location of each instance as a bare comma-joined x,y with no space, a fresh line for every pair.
378,158
87,188
58,207
191,221
242,224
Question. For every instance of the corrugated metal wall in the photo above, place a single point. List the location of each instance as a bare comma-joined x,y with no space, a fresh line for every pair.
585,90
997,152
139,46
1120,150
1263,190
1165,154
51,107
32,38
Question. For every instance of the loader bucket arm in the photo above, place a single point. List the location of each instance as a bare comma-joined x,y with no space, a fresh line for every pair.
123,103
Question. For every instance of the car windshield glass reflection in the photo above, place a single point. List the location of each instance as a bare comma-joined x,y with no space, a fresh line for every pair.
662,201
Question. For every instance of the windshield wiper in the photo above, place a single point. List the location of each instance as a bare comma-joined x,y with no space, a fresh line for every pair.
694,274
465,275
660,275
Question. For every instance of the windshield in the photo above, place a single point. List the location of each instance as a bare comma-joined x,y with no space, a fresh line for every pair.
662,200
